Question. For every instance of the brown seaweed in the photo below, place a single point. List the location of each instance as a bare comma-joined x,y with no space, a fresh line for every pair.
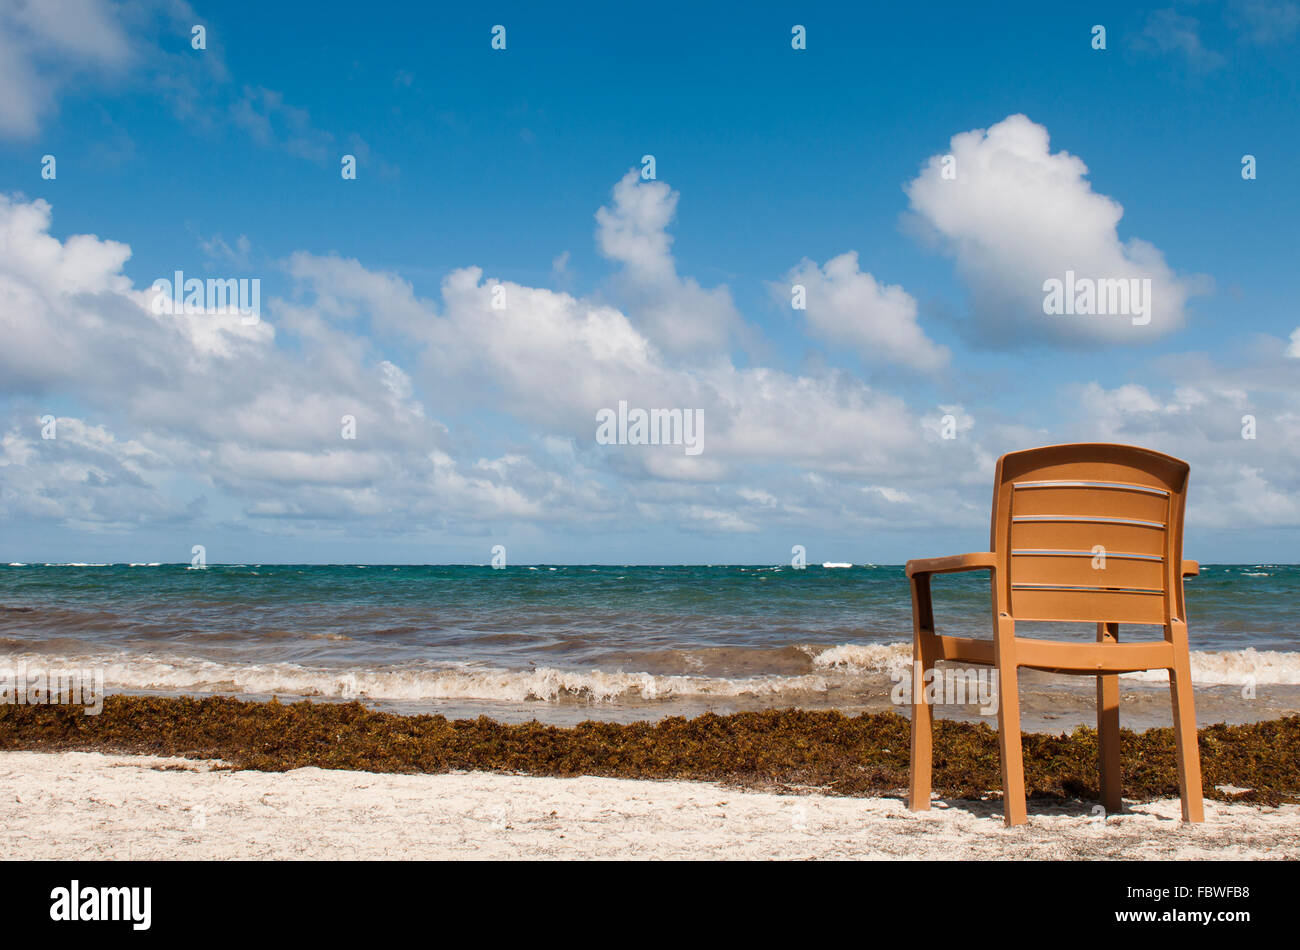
787,750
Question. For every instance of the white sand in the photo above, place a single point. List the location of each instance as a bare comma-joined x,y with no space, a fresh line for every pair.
88,806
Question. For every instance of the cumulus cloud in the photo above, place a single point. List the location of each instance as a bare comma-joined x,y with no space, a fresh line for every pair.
469,414
475,414
849,307
1017,215
84,477
1238,430
674,312
520,360
204,398
346,291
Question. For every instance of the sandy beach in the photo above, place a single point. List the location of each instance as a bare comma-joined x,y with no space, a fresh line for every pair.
97,806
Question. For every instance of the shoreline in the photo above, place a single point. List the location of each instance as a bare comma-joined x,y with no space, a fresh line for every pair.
1234,687
1048,705
105,807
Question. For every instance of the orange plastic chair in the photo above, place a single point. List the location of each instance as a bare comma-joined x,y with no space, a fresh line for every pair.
1091,533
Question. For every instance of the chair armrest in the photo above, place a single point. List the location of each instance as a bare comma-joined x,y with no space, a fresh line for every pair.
981,561
1191,568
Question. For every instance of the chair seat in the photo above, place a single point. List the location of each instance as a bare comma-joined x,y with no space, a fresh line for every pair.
1057,657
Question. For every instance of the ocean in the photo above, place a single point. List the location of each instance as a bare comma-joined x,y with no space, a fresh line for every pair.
565,643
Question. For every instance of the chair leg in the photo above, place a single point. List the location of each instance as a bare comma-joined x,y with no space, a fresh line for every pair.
1185,740
918,798
1013,762
1108,727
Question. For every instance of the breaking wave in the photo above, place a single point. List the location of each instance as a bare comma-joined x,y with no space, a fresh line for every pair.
843,667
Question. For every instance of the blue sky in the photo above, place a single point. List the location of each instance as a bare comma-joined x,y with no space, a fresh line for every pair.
477,426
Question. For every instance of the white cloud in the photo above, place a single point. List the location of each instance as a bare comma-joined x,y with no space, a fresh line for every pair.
395,380
468,415
1266,22
199,412
273,123
939,423
46,46
1017,215
219,403
53,49
85,477
675,313
1236,481
554,360
892,495
848,306
345,290
218,251
1171,32
702,518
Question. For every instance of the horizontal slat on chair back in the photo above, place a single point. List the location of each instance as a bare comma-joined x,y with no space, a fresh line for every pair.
1097,498
1089,570
1101,606
1062,534
1088,538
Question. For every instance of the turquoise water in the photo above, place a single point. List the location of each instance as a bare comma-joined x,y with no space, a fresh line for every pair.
552,633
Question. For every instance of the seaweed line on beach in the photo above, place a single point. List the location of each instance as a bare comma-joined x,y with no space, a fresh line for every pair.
780,750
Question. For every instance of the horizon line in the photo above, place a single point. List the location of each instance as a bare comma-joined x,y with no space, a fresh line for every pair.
829,565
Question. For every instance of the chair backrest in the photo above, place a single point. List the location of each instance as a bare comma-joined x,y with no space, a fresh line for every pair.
1089,532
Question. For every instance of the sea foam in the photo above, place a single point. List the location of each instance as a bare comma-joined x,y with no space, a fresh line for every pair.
842,667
